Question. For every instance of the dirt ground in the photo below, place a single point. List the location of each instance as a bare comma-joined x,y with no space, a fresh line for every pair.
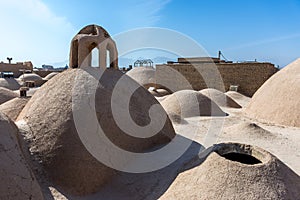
203,132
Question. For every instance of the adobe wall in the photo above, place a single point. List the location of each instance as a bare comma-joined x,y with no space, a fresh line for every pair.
15,67
249,76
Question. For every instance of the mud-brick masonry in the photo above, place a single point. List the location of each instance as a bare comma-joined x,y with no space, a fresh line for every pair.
249,76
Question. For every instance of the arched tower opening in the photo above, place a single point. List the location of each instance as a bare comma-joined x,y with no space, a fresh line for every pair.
89,42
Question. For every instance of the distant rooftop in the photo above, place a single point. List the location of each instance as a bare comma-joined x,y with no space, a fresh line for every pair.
199,60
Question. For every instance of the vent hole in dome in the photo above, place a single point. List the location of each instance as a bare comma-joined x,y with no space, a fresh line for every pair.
242,158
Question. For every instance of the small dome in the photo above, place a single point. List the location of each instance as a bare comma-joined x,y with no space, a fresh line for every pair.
145,76
51,75
239,98
38,81
158,92
190,103
10,83
220,98
30,77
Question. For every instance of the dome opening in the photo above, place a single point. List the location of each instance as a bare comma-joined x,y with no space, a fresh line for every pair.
242,158
245,154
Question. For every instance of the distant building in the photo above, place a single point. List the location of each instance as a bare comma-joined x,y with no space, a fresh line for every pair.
15,69
246,76
125,69
47,67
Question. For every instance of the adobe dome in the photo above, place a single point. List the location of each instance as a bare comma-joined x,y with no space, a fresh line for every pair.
277,100
158,92
51,75
6,95
190,103
38,81
236,171
13,107
10,83
50,116
17,180
145,76
220,98
239,98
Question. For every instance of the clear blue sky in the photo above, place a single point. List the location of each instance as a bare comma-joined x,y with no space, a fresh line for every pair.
41,30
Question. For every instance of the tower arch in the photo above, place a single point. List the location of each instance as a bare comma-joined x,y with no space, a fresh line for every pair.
88,38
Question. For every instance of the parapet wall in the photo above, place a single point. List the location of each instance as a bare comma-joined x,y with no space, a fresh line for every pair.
248,76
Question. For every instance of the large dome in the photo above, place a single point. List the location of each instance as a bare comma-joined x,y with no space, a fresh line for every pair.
50,116
17,180
277,101
190,103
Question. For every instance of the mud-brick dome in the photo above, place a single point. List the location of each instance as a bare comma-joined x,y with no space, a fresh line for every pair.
13,107
236,171
50,116
145,76
51,75
17,180
6,95
10,83
277,100
38,81
220,98
190,103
